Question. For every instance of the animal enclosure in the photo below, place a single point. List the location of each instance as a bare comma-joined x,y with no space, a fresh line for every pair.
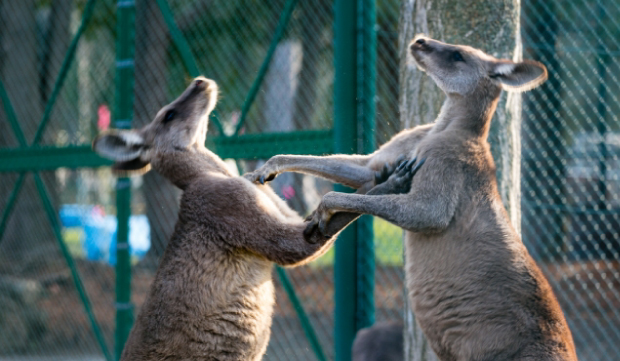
71,68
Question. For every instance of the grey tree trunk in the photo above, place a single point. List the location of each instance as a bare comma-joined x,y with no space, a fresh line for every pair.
28,236
493,26
282,93
161,197
56,39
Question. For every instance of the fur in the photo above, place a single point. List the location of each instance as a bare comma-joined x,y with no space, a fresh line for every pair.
475,290
380,342
212,297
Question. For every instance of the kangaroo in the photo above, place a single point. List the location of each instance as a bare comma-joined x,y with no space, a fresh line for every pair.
475,290
212,297
383,341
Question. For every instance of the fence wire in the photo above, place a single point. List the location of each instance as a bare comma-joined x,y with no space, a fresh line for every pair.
570,183
570,167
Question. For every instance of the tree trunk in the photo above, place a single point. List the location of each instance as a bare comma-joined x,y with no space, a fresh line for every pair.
28,236
161,197
493,26
281,93
57,37
311,30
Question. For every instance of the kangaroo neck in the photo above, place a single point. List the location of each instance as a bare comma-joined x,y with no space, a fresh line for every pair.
470,113
183,166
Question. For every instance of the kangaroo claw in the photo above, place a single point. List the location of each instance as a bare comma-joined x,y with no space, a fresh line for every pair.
417,166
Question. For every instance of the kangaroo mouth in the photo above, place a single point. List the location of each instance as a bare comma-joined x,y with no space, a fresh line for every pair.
417,49
417,59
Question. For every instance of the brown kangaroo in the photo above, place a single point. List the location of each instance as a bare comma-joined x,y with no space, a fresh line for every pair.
212,297
475,290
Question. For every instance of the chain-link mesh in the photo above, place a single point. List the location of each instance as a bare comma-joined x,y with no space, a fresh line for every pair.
44,314
570,168
389,275
571,218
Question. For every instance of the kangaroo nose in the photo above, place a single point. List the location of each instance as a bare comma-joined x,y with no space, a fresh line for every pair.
205,84
420,44
201,83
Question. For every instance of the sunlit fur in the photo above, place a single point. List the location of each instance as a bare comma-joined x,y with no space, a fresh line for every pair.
213,296
477,69
475,290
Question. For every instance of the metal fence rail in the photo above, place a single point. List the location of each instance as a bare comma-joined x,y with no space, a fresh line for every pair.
304,77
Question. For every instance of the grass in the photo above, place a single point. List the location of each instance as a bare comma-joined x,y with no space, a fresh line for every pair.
388,240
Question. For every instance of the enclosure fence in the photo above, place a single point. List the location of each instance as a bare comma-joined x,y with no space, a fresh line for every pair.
79,248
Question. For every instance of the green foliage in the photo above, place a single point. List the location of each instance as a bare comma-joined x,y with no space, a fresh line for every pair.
388,246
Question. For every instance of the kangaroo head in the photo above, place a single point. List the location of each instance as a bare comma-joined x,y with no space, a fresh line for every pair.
459,69
178,126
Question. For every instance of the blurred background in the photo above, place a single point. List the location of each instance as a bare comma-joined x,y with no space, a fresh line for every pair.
70,69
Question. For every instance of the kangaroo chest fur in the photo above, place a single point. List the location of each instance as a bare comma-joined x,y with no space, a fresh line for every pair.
475,290
208,300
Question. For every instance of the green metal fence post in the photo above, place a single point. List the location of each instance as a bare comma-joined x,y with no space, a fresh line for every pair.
345,141
354,91
123,114
19,134
366,51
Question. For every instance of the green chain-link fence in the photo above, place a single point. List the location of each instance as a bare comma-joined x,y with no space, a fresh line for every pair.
62,67
570,168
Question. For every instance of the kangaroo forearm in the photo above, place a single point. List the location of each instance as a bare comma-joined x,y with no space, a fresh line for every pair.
297,251
402,210
308,254
341,220
284,243
350,170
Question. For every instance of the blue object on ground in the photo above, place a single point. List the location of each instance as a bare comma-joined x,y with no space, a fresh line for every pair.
99,232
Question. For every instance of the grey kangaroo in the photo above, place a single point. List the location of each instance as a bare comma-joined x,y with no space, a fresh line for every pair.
475,290
382,341
212,297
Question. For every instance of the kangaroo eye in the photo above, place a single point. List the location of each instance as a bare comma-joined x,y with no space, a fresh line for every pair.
170,114
456,56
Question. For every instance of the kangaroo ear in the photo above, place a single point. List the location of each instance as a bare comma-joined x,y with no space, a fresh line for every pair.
125,147
522,76
119,145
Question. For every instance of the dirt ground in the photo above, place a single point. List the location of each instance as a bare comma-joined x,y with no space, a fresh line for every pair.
56,324
64,329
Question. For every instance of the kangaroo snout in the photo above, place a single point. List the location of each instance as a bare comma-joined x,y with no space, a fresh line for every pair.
419,46
206,85
420,43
